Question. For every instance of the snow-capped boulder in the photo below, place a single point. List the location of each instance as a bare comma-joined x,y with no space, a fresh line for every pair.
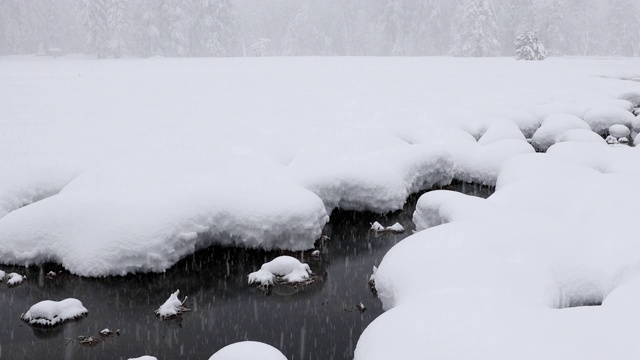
50,313
553,127
2,275
172,307
248,350
581,135
602,118
15,279
395,228
281,269
619,131
144,357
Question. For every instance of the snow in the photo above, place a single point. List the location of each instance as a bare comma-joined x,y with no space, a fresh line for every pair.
619,130
553,127
285,268
602,118
489,278
51,313
395,228
120,166
377,227
2,275
246,350
172,307
14,279
580,135
144,357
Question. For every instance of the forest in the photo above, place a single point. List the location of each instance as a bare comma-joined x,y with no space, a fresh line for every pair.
214,28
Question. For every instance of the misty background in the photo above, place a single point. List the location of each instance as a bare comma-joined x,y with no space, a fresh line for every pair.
176,28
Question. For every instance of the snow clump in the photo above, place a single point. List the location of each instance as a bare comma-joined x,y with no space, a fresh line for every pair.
248,350
602,118
553,127
2,275
172,307
144,357
283,268
50,313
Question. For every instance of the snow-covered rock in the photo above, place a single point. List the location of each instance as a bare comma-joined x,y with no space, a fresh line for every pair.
395,228
283,268
248,350
619,130
377,227
172,307
2,275
15,279
144,357
51,313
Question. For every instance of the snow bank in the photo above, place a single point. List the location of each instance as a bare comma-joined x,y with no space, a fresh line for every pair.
51,313
248,350
583,135
487,278
144,357
283,268
160,157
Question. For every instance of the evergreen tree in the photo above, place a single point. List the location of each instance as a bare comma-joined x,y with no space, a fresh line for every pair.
94,17
528,47
476,30
118,25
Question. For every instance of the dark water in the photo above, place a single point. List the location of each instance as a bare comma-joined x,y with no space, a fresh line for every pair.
316,322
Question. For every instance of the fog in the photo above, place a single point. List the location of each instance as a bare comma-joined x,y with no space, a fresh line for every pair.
175,28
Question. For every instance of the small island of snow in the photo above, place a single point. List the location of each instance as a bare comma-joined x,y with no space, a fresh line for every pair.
281,269
172,307
51,313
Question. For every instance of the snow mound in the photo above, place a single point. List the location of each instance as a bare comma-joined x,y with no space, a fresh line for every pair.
283,268
172,307
144,357
481,164
248,350
501,130
632,96
15,279
602,118
370,174
619,130
2,275
582,135
553,127
51,313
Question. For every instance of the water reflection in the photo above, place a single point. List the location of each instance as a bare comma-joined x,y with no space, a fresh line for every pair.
315,322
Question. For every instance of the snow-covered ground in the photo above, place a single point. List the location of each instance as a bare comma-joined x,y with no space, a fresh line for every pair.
118,166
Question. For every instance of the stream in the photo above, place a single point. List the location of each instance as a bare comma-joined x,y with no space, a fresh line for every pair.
316,322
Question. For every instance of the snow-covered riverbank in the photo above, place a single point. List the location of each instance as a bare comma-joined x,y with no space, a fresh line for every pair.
117,166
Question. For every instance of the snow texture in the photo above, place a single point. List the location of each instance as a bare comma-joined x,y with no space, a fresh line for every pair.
51,313
139,163
283,268
144,357
2,275
246,350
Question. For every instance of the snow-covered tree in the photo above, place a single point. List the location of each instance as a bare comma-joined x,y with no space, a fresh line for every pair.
528,47
96,27
119,27
476,30
147,31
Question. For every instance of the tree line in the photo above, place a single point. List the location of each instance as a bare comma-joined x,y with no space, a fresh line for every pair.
143,28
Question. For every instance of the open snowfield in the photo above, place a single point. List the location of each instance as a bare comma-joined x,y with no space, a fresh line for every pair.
118,166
